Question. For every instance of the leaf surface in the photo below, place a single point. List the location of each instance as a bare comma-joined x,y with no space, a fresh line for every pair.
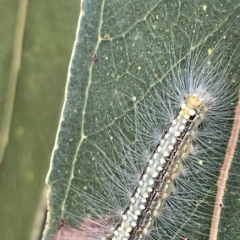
121,47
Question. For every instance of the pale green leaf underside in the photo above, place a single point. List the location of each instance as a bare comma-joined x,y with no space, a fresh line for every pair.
36,41
130,39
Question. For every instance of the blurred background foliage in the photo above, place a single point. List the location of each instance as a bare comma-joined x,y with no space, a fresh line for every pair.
36,37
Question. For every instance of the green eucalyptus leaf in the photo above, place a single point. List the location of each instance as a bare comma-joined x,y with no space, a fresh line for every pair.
124,47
